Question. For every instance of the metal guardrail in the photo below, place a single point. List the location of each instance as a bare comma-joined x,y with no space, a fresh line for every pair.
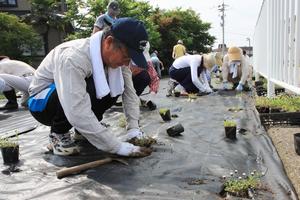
276,49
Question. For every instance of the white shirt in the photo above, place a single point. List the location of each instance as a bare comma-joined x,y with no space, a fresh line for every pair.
192,61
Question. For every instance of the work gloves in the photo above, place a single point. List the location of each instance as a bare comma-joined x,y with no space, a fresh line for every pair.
239,88
128,149
133,133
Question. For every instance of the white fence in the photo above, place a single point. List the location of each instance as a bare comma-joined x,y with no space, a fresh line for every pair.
276,48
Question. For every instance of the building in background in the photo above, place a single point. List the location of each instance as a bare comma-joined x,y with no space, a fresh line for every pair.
50,36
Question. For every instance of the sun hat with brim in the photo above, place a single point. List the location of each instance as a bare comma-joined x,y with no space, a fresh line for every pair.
212,59
234,54
133,34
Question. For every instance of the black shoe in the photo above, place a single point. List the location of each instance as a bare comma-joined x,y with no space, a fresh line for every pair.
12,100
9,106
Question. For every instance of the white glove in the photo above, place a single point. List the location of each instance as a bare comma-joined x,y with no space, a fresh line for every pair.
127,149
239,87
133,133
208,90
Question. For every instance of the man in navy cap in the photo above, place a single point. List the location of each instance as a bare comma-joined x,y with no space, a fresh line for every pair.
108,18
79,80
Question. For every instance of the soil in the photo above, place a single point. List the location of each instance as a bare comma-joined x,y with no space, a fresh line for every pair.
283,140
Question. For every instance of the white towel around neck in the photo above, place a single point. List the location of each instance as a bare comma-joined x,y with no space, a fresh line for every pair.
115,84
234,69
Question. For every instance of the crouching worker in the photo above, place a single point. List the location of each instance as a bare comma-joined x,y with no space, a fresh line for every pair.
79,80
145,77
235,69
190,73
14,75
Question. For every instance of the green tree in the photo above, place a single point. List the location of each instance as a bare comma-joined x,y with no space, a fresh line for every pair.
16,37
181,24
93,8
46,14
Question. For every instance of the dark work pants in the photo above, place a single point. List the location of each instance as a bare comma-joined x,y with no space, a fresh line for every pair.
184,77
141,81
54,115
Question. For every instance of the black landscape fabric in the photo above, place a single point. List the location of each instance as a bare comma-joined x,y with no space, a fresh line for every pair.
190,166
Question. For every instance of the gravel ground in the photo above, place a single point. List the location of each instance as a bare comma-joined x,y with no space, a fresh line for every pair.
283,139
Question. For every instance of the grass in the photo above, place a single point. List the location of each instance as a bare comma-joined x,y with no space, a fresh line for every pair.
229,123
2,96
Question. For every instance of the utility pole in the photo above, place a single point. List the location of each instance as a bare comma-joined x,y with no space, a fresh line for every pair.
221,8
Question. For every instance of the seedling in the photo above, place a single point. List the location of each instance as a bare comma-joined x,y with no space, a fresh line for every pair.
5,142
229,123
240,186
122,122
143,142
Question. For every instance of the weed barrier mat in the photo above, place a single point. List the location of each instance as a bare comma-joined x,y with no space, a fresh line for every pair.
186,167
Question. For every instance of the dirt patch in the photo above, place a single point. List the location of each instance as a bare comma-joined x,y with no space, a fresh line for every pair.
283,139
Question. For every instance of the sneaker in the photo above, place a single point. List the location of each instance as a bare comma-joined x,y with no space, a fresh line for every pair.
62,144
9,106
78,137
172,84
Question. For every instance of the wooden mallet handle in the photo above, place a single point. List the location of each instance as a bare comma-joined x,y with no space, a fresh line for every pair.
79,168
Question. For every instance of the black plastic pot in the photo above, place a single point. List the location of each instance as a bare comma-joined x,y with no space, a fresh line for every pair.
297,142
263,109
258,83
230,132
151,105
175,130
166,116
10,155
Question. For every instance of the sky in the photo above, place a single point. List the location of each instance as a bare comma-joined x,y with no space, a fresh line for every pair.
240,17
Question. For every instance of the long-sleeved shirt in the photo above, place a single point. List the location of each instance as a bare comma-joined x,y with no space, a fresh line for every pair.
192,61
242,71
67,66
15,67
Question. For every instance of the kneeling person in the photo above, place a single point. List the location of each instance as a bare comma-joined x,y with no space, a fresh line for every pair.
79,80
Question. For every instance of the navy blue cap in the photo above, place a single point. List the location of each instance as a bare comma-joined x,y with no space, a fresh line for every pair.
133,34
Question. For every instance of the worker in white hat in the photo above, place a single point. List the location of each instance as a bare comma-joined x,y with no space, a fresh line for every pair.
235,69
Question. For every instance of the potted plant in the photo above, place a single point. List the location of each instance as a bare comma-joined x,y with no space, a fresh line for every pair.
9,150
230,129
297,142
165,114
